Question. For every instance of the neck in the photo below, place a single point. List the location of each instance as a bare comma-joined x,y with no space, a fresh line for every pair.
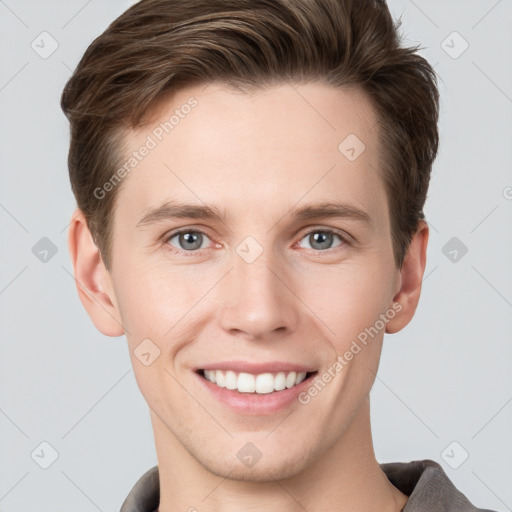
346,477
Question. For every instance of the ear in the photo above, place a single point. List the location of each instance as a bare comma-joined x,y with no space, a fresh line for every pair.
92,279
411,274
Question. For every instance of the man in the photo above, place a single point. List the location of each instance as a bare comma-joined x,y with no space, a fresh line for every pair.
250,179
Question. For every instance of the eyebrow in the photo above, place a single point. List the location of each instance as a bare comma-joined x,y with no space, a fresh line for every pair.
177,210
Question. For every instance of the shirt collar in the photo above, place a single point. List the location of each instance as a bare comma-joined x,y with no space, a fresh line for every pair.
424,481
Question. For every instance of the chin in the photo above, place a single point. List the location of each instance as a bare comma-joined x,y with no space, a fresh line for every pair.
267,469
261,474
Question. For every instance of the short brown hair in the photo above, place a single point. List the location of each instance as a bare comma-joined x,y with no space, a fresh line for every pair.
158,46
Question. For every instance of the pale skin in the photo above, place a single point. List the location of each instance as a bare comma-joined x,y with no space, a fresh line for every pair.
255,157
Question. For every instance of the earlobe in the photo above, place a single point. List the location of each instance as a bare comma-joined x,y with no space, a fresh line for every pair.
411,275
92,278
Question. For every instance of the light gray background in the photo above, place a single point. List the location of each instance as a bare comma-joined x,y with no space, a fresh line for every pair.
445,378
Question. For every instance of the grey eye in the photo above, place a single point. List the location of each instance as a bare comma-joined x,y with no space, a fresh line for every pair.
321,240
188,240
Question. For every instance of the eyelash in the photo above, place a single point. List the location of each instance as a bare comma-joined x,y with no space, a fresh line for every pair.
197,252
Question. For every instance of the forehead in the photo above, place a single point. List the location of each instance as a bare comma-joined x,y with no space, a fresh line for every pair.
274,145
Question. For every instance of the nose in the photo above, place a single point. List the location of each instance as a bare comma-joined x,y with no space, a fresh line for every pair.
258,300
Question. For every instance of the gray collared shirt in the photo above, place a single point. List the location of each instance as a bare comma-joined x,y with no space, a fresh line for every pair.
424,481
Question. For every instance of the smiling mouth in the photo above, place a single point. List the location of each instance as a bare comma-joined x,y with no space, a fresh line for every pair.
263,383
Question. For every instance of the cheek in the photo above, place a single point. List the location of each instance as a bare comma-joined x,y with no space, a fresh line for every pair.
156,306
153,299
348,300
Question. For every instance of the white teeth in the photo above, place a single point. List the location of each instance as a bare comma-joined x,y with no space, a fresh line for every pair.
280,381
290,379
249,383
231,380
220,379
210,375
265,383
246,383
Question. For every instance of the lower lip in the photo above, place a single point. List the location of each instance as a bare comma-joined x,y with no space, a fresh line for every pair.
255,403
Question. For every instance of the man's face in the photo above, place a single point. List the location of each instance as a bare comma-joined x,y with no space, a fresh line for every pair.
262,284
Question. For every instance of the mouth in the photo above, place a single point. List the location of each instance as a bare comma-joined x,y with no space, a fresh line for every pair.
255,384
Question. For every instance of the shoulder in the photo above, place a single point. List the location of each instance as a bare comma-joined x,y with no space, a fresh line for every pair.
145,494
428,487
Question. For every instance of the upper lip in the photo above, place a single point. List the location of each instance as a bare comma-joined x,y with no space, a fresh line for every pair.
257,368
